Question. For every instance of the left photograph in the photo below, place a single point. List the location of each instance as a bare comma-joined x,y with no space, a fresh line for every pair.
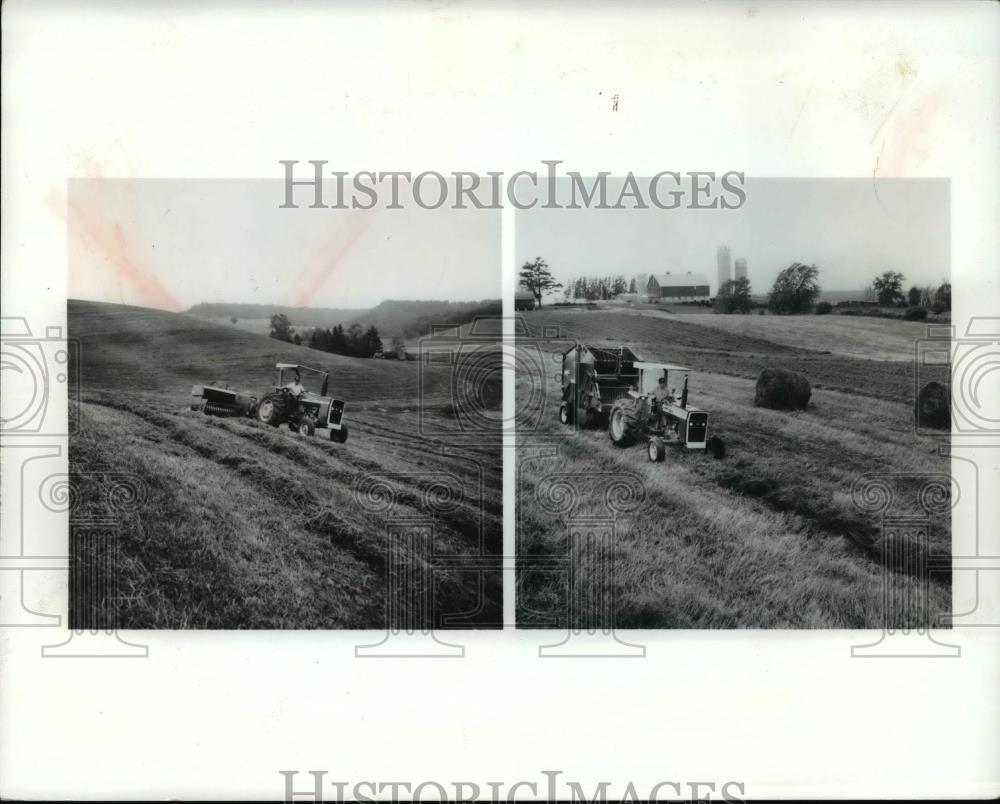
283,417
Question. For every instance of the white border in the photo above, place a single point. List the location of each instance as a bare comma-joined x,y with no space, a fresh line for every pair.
225,91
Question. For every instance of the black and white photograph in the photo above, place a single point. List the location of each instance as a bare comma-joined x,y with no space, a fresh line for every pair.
501,402
279,391
747,375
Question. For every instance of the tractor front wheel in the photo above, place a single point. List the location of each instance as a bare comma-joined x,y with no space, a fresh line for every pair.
565,414
340,436
656,449
306,427
622,426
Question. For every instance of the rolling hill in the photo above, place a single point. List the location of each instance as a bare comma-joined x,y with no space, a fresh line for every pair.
407,319
833,352
247,526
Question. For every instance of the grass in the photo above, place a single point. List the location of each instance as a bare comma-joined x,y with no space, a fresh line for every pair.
767,537
685,339
247,526
854,336
135,348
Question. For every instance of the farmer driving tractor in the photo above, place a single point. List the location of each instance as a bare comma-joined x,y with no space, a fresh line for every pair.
662,393
295,386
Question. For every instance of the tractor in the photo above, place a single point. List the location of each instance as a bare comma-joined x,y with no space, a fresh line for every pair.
304,412
635,398
285,403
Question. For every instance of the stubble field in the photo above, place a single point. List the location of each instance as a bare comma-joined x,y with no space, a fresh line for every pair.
249,526
767,537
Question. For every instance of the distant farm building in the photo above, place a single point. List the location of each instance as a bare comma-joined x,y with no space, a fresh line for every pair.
677,286
524,300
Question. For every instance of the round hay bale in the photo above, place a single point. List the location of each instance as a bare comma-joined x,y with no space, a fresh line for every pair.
934,407
780,389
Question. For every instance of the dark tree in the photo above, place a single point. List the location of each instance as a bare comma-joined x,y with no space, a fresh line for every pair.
913,297
889,288
734,296
536,278
371,343
795,290
943,295
281,329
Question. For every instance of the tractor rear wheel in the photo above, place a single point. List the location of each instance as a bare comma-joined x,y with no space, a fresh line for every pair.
306,427
273,409
340,436
622,426
656,449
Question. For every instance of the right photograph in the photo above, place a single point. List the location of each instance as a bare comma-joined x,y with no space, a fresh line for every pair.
733,409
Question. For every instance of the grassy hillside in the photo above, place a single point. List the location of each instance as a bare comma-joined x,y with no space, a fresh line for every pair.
305,316
865,338
138,349
250,526
743,346
767,537
405,319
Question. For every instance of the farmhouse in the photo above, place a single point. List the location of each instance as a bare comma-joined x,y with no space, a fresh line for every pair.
524,300
686,286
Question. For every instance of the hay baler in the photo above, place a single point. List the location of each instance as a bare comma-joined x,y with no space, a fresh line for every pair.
593,379
213,400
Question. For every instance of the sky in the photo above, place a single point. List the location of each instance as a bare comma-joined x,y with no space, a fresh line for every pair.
851,229
172,243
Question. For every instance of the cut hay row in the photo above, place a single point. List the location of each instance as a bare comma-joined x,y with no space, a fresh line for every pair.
768,537
297,519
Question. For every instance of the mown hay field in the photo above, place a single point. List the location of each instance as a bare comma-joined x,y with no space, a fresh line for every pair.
767,537
249,526
723,349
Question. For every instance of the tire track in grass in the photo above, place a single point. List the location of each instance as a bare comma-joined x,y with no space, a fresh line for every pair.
190,558
461,525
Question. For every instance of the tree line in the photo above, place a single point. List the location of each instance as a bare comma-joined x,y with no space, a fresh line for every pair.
597,288
888,291
355,341
796,289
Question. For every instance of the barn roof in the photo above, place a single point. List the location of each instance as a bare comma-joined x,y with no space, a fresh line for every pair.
676,278
523,294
